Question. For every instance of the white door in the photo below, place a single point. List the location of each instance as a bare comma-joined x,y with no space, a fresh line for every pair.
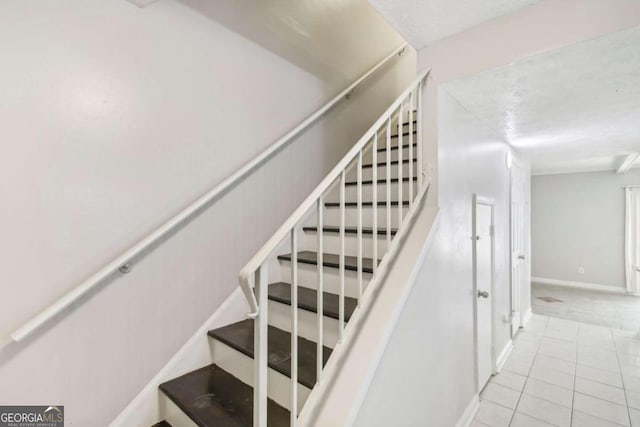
517,246
632,239
483,291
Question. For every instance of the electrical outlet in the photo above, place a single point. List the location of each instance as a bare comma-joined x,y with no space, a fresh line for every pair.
580,270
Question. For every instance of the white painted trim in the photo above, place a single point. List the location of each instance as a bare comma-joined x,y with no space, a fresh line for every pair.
627,163
526,317
147,407
580,285
570,171
485,200
504,355
469,412
480,200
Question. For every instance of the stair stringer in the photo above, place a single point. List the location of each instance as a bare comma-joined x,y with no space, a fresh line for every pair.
336,400
151,405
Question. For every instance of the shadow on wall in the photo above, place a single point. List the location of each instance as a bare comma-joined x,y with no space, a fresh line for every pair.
326,39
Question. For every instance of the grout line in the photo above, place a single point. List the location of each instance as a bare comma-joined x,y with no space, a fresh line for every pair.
600,418
573,395
498,403
506,386
527,377
555,385
621,378
560,360
600,398
600,382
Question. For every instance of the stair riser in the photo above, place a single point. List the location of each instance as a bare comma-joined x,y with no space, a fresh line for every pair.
171,413
280,317
331,243
308,276
332,216
351,192
394,130
241,366
367,173
382,155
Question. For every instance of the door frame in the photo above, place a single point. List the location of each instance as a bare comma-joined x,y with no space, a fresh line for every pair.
479,200
516,287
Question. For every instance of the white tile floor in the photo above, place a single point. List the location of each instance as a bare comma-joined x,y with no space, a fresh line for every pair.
565,373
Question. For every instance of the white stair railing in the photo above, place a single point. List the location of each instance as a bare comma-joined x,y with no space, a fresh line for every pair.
254,276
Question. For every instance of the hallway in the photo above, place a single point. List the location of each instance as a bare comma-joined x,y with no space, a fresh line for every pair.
565,373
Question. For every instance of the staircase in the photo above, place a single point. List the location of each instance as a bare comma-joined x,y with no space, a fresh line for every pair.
310,280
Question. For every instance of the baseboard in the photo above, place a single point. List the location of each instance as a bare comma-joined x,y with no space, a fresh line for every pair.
148,407
503,356
469,412
526,317
579,285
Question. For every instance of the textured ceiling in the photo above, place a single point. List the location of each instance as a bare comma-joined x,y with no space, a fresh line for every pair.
421,22
572,109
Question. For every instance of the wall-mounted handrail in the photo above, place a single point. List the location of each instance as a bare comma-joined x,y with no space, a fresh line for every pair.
122,263
261,256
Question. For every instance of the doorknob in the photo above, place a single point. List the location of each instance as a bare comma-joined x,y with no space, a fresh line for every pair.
483,294
520,256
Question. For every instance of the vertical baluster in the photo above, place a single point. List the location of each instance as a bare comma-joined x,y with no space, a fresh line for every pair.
342,255
374,202
420,141
375,232
260,345
400,130
320,294
359,172
294,325
411,142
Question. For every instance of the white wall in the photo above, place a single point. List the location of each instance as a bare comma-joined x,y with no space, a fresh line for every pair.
426,376
577,221
112,118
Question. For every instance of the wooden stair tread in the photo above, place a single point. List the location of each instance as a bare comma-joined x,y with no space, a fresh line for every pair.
350,230
384,163
240,336
211,396
332,260
379,181
364,204
395,147
404,134
308,300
